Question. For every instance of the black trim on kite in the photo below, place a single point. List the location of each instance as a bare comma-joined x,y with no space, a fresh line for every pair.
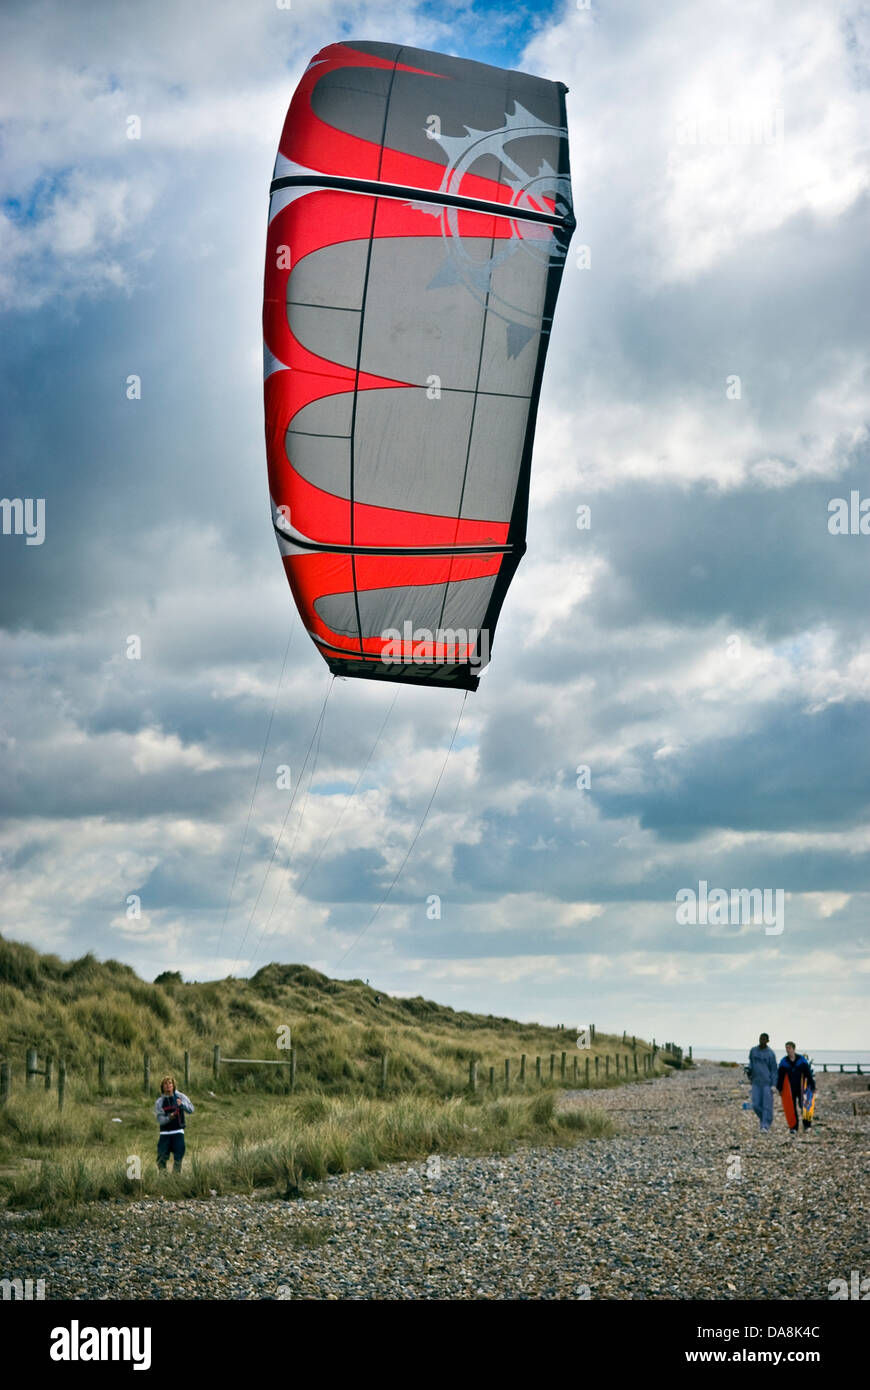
455,674
392,549
422,195
453,677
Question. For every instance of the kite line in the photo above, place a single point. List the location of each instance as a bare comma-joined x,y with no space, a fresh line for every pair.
256,785
317,729
340,817
417,834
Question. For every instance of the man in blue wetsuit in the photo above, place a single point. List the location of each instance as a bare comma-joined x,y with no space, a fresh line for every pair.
796,1072
762,1073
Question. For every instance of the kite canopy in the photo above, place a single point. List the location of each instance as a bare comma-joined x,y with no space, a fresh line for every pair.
419,219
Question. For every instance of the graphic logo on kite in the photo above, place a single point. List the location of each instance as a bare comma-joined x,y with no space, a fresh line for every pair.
542,191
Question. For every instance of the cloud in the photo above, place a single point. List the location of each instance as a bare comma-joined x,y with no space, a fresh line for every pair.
701,647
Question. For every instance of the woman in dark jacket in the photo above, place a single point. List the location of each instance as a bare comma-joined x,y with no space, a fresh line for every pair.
169,1109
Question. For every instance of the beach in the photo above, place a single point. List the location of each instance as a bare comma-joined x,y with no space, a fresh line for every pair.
688,1201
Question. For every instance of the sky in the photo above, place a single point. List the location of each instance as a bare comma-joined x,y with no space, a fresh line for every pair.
701,649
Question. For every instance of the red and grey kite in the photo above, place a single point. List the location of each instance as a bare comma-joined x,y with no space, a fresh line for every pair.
419,219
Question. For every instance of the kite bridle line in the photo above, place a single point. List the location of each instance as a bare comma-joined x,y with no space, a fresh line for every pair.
417,834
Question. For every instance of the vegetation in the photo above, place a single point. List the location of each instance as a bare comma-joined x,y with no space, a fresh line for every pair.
248,1131
261,1142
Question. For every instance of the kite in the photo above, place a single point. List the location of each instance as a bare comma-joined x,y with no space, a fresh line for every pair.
420,215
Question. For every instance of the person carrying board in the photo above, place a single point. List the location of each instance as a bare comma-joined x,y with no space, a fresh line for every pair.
795,1081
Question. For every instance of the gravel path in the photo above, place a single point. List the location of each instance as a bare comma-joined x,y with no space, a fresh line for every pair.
689,1201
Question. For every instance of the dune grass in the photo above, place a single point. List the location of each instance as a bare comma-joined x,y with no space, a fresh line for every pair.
283,1146
340,1028
248,1132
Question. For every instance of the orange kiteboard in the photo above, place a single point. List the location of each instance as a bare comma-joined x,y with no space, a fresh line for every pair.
788,1104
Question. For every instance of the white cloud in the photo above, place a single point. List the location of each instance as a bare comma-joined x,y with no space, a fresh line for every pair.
639,76
83,242
828,904
682,236
154,751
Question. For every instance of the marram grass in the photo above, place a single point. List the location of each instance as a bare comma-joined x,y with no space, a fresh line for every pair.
248,1132
284,1150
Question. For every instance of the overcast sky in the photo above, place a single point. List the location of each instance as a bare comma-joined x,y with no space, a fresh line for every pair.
703,647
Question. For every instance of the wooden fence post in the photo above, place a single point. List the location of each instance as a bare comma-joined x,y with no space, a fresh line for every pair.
216,1061
33,1066
690,1052
552,1065
146,1073
587,1072
537,1068
607,1066
597,1059
492,1078
575,1071
562,1069
5,1081
523,1068
507,1073
186,1069
61,1082
101,1071
635,1062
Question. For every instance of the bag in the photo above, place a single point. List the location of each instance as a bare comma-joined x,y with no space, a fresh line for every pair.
173,1114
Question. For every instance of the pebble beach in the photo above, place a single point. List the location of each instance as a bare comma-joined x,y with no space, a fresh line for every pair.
687,1201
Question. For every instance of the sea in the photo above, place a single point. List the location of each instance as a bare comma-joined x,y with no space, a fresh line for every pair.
819,1058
